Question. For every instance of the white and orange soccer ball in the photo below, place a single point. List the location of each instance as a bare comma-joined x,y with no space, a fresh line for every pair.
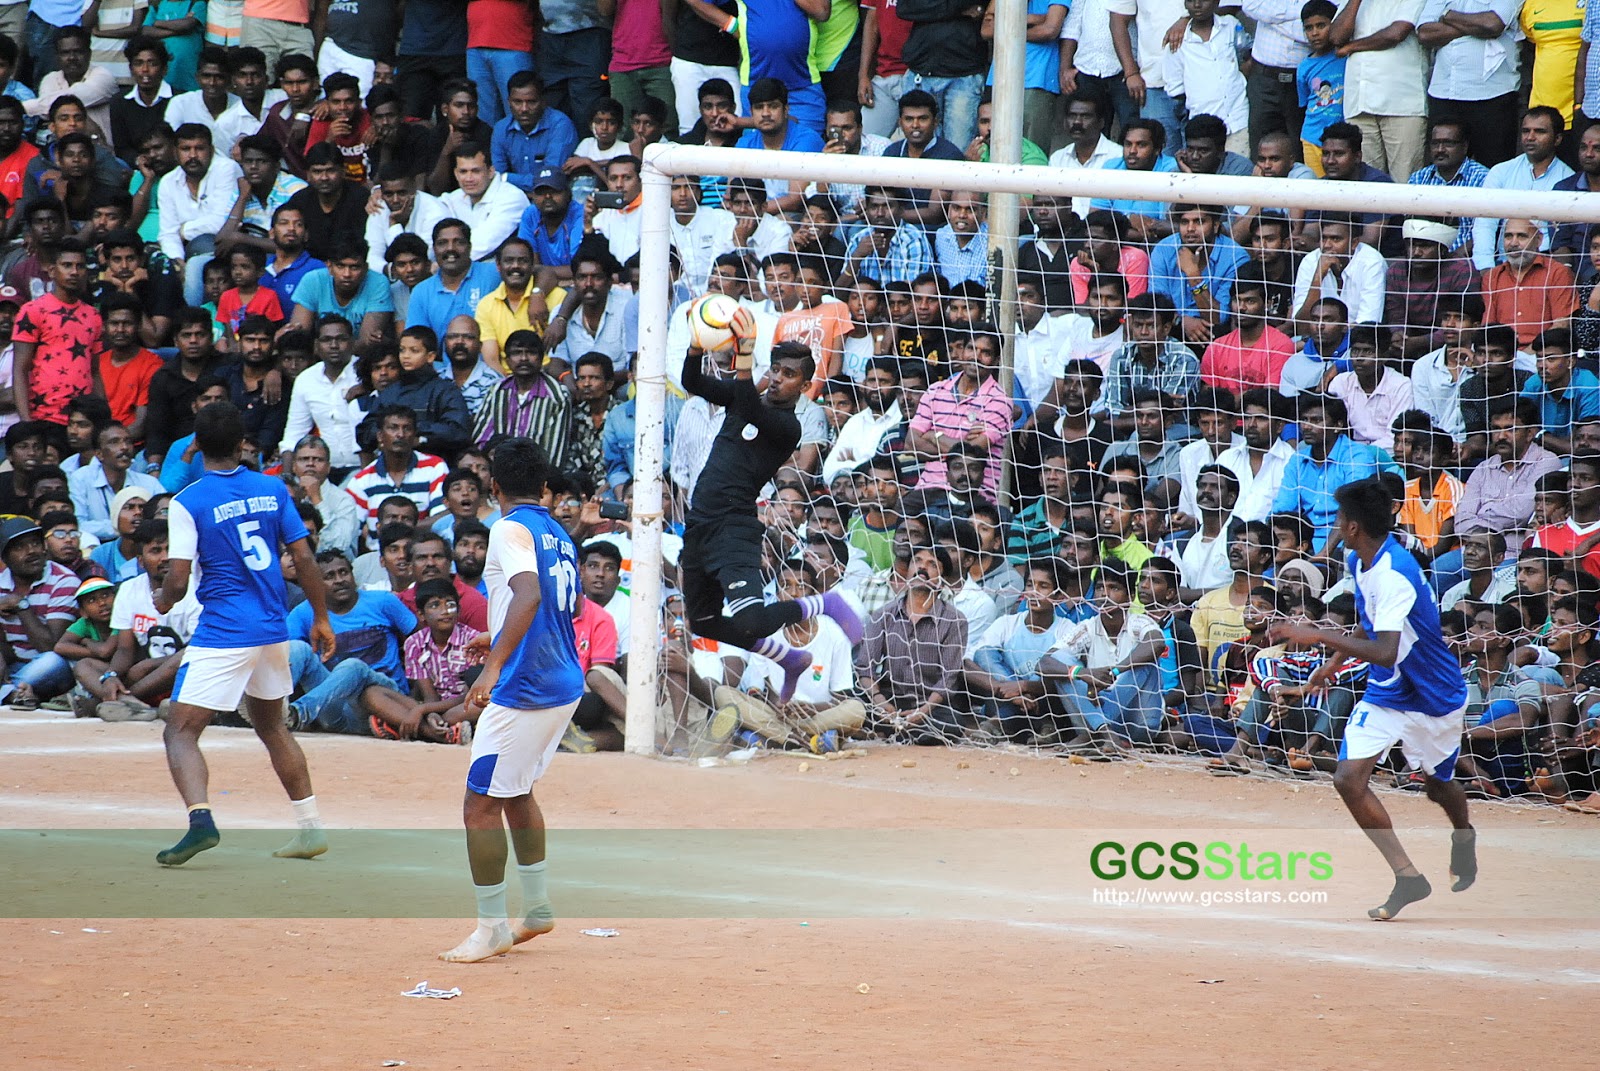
710,320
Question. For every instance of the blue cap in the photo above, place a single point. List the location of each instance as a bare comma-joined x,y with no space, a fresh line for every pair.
551,178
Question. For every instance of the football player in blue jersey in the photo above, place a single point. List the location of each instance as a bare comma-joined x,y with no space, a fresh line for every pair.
229,525
1416,695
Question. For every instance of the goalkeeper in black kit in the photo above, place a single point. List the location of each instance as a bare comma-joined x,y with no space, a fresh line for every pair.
721,561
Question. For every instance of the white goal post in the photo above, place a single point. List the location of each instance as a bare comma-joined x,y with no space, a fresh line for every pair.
663,161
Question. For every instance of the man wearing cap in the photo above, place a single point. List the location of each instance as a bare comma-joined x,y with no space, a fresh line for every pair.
533,137
37,603
553,223
96,486
1418,284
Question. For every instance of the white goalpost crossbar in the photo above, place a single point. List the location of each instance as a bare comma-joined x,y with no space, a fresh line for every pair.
662,162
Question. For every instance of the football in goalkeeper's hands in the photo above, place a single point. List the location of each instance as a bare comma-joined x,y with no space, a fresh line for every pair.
710,320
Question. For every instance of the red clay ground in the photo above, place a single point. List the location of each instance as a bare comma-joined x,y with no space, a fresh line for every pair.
1000,956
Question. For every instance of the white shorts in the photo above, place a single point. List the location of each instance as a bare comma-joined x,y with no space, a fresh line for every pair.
216,678
511,749
1429,744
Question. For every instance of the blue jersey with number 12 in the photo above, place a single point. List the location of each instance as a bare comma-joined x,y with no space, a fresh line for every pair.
231,525
543,672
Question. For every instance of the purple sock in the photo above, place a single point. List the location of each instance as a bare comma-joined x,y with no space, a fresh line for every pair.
768,647
811,606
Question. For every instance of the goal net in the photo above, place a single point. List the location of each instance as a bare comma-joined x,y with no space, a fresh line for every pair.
1071,481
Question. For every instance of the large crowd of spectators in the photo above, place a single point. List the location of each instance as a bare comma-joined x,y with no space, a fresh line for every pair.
392,242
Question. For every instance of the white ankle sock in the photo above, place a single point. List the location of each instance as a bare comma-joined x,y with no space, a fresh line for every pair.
535,894
305,812
491,905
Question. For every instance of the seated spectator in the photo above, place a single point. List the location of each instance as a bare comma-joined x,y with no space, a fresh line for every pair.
1150,445
400,469
909,659
1327,460
442,420
1152,359
37,603
532,137
1529,290
63,543
1421,287
1142,143
389,567
125,367
95,486
347,289
290,261
773,129
883,248
1505,701
1346,268
967,407
1270,240
920,140
1373,393
484,200
1451,166
471,552
1481,555
1194,268
1104,252
1254,352
1499,376
89,644
342,521
438,663
1218,617
183,464
1499,492
1105,669
89,83
1343,161
149,643
1323,355
195,200
430,558
1567,396
247,296
1003,668
118,556
1432,491
529,401
365,692
1573,537
333,205
1202,554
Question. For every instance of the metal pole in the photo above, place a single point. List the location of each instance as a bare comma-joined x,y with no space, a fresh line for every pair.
650,400
1005,208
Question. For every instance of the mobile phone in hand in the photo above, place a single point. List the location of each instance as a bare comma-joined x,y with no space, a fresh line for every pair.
614,511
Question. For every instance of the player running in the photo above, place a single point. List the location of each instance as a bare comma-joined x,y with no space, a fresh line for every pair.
530,685
721,559
229,524
1415,696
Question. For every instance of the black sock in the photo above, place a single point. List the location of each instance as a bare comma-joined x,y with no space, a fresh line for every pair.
1407,890
201,836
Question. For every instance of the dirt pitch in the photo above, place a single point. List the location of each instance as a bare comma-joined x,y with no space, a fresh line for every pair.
974,942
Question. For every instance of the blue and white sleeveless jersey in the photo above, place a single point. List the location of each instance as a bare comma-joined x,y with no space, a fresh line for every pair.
543,672
1394,596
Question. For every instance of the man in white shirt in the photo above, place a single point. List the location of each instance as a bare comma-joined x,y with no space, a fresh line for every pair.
401,206
212,100
1438,375
249,109
700,234
93,85
620,226
1259,461
319,397
879,418
1385,80
1346,268
195,199
484,200
1088,148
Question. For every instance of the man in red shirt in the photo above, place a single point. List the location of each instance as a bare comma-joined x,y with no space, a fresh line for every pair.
1254,352
1528,290
55,339
1578,537
15,153
125,366
430,560
346,126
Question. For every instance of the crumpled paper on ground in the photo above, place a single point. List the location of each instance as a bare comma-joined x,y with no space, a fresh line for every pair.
422,990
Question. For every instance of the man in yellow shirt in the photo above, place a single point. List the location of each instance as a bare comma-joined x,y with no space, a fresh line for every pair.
514,305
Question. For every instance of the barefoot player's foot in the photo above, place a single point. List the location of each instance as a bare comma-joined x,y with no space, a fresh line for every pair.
531,927
486,942
793,664
202,836
1463,858
837,608
307,844
1407,890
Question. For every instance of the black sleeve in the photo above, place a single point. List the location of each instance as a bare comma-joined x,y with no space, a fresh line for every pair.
715,391
930,10
159,417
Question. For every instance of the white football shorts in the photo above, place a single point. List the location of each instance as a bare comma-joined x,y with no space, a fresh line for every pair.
1430,744
511,749
217,678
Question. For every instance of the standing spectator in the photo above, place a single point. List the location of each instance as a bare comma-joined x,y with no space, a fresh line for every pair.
945,56
574,52
54,339
1528,290
1555,30
1280,46
883,66
356,34
640,56
499,47
1144,60
1319,82
1090,65
1451,166
179,26
1386,77
532,137
1204,70
277,28
1587,82
1041,107
433,51
1476,71
1536,168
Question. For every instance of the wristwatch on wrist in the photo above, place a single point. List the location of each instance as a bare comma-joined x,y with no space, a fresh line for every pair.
22,603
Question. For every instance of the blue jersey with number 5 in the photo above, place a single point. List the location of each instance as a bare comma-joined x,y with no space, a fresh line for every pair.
544,671
231,525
